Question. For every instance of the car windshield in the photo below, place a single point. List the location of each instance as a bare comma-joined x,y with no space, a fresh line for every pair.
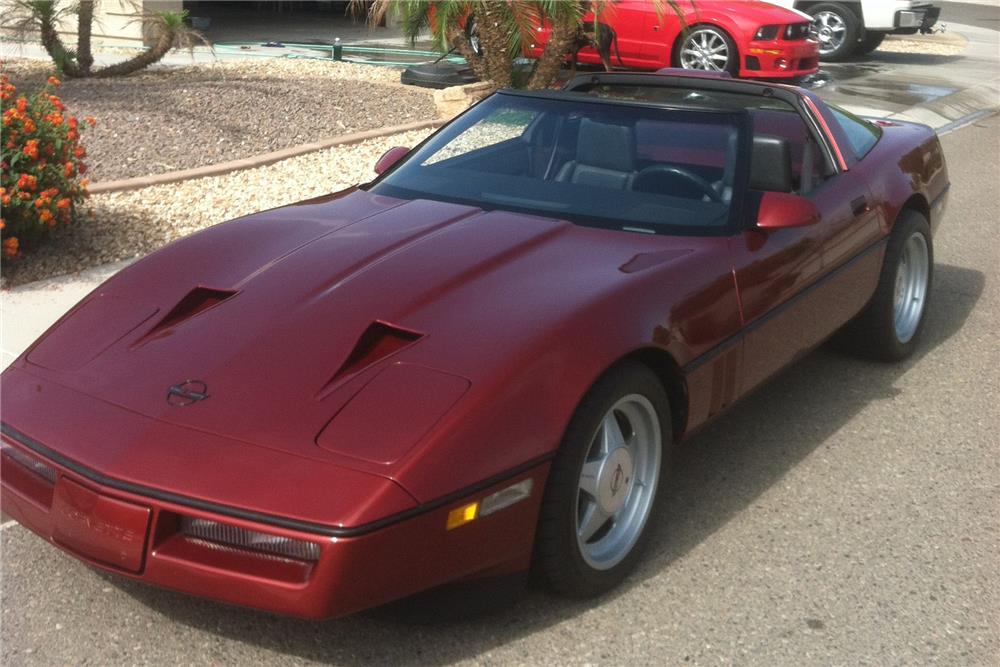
624,166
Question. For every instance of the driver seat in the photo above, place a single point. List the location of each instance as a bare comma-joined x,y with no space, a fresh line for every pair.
605,157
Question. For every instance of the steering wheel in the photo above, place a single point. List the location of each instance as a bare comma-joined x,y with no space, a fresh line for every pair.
671,171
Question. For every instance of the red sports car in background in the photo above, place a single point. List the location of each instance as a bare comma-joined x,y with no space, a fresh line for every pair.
480,362
746,38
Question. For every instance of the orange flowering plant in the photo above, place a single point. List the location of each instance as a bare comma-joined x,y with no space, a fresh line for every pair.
42,170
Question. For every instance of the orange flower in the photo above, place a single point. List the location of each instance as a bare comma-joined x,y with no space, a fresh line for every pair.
29,126
68,169
57,103
31,148
2,223
5,200
47,217
54,82
72,135
90,120
55,118
63,203
10,247
22,104
27,182
72,122
79,151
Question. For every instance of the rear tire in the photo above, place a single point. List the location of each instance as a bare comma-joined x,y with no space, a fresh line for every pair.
889,328
871,41
837,29
603,484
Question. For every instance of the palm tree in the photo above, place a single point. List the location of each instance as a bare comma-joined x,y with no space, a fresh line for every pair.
166,29
503,26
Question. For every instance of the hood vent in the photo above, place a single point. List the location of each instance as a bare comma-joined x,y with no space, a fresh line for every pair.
196,301
379,341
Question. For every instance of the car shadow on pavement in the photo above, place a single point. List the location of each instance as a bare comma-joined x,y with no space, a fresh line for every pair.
719,473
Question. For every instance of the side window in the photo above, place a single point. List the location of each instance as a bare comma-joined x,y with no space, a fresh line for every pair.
861,134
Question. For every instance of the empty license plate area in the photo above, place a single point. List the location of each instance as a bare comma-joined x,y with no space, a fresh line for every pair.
98,527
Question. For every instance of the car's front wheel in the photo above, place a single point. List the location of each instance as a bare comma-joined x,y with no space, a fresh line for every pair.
707,48
836,28
603,484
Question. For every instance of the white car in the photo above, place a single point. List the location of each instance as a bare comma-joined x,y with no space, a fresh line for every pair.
858,27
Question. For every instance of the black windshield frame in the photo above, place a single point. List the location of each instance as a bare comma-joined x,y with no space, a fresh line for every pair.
737,118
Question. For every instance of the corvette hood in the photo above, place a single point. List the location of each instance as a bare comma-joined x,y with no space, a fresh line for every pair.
261,329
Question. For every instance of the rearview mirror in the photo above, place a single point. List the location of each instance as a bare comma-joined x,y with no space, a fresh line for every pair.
779,210
389,158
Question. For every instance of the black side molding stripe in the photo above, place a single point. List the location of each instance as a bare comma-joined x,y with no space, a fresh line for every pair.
708,355
941,194
258,517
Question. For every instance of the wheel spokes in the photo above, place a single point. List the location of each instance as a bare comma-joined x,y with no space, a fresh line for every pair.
592,520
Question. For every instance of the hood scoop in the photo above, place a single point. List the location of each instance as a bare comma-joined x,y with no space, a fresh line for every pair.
379,340
194,302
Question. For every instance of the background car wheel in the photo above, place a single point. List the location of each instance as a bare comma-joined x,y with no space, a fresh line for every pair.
603,484
472,34
871,41
890,326
836,28
707,48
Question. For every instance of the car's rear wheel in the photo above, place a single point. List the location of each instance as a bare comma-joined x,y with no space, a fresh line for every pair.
890,326
871,41
707,48
603,484
836,28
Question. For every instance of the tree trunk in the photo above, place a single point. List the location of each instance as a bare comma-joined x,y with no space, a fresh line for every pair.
457,38
85,23
164,42
55,48
496,46
561,38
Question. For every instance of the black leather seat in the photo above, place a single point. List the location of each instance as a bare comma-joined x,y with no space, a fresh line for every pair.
605,157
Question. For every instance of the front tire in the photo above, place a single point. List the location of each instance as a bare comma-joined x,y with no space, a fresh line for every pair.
603,485
707,48
837,29
871,41
890,326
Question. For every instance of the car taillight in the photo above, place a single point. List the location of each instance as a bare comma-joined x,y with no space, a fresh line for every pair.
767,32
251,540
34,465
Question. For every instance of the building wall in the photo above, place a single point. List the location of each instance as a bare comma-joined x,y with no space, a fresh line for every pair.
113,20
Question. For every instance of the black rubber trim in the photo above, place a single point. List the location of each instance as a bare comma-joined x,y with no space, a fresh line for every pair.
259,517
708,355
937,200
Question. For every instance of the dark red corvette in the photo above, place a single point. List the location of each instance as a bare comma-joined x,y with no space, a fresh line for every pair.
478,363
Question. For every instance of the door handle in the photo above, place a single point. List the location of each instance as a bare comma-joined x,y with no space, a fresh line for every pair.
860,205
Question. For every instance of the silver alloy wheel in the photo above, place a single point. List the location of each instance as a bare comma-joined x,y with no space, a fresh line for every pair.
910,295
618,482
705,49
831,31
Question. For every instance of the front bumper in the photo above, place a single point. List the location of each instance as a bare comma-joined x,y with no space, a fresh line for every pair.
139,537
778,59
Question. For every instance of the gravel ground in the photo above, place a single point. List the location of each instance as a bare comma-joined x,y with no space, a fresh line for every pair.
174,118
120,225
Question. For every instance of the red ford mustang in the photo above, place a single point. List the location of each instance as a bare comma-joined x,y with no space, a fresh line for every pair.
478,363
746,38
